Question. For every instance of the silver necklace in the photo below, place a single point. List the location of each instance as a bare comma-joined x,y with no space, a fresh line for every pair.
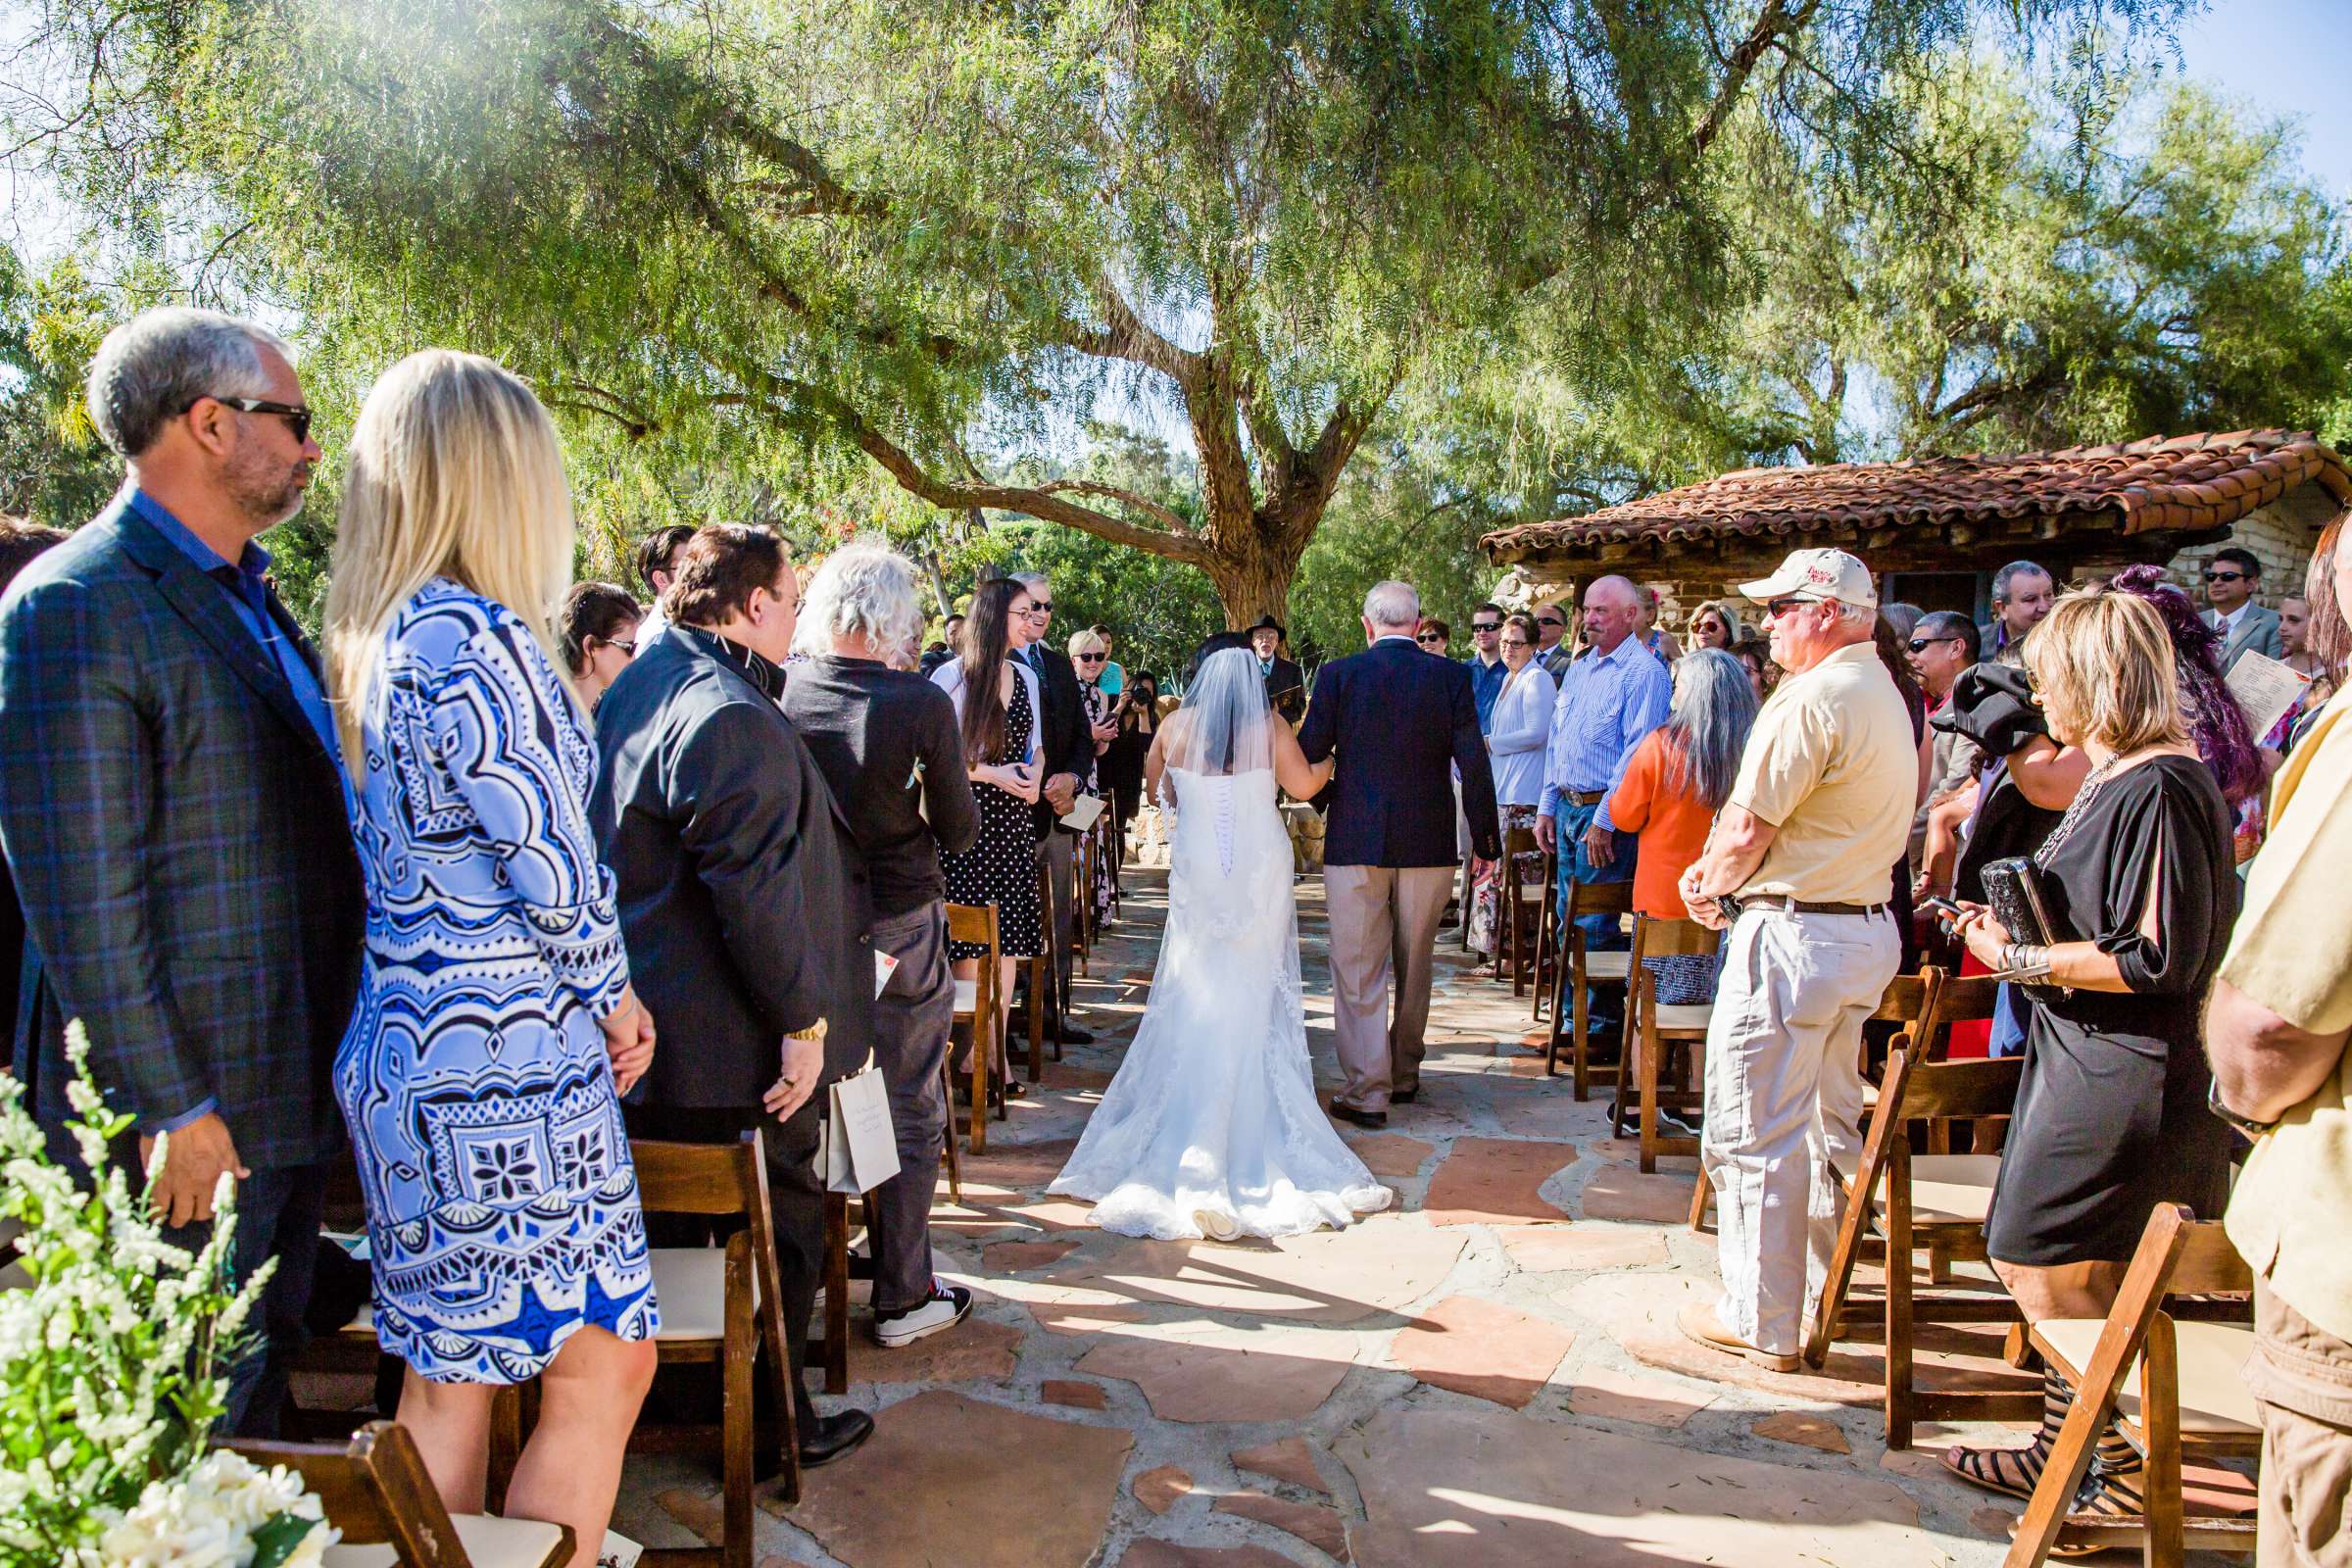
2091,783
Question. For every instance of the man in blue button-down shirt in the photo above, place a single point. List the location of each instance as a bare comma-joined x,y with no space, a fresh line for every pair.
1612,697
171,801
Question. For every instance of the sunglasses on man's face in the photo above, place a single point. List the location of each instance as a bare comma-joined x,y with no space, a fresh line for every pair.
1782,606
297,417
1550,621
2225,576
1486,625
1920,645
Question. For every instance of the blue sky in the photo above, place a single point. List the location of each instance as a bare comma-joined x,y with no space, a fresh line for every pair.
2285,58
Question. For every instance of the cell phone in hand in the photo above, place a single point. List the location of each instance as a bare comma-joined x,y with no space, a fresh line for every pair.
1941,907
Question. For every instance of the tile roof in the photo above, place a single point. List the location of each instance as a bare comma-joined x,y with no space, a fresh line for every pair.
2185,482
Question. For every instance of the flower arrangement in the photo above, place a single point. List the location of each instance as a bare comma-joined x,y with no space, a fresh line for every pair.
109,1381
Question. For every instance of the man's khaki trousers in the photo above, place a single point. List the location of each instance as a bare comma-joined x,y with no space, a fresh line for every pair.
1383,927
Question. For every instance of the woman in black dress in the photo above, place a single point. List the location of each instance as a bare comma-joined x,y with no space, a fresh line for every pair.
2137,883
996,710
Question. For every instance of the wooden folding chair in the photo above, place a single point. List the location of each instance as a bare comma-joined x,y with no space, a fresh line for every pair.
1934,1203
1082,910
1043,991
716,1303
1573,973
1519,947
978,1005
2176,1388
375,1490
1547,942
1665,1041
832,1352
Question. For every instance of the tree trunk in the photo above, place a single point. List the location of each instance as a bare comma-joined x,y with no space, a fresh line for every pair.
1252,574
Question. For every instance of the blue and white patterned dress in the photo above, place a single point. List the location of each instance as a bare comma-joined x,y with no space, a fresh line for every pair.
502,1203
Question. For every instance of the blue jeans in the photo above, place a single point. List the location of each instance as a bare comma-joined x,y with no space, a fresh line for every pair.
1603,932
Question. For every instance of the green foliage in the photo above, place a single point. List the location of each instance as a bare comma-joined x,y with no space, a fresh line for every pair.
108,1360
750,240
53,469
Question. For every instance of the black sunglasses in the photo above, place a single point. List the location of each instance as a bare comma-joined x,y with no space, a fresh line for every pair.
2225,576
1430,637
1486,625
1781,607
1091,658
1550,621
1923,644
297,417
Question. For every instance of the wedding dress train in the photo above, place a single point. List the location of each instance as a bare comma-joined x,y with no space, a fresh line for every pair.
1215,1109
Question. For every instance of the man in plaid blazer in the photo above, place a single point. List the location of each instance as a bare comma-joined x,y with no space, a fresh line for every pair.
172,804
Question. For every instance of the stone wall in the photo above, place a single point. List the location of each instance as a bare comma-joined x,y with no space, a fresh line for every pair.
2282,536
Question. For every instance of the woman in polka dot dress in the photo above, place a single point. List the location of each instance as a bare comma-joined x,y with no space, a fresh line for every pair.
996,709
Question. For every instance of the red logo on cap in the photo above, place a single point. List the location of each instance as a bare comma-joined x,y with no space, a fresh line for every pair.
1821,575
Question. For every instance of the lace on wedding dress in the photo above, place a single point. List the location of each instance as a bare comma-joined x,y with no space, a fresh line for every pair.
1214,1108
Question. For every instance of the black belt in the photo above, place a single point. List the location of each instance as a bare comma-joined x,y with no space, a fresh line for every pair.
1772,900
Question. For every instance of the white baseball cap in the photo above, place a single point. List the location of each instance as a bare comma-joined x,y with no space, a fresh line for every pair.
1817,575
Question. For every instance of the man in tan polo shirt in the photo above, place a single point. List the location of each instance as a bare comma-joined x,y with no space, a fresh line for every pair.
2275,1030
1817,817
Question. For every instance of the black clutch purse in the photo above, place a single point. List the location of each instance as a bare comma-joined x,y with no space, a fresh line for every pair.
2012,893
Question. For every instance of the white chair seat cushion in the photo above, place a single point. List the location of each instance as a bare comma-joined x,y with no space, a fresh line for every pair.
2214,1400
690,1285
967,995
491,1542
1608,966
1681,1018
1946,1189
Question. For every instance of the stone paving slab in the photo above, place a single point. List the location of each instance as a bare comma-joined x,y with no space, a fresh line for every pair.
1487,1374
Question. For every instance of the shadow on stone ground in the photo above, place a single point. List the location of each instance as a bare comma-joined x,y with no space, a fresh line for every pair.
1487,1374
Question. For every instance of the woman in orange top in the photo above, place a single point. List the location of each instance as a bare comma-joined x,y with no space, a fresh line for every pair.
1678,778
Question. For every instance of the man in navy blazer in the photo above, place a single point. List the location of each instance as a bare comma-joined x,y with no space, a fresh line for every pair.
171,803
1401,721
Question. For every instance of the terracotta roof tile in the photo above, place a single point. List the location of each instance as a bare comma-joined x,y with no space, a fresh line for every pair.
2162,482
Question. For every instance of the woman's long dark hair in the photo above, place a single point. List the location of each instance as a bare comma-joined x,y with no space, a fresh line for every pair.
1890,654
987,641
2217,725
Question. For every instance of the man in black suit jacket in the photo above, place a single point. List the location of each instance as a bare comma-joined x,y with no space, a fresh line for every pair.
1069,740
742,900
1286,687
171,801
1401,721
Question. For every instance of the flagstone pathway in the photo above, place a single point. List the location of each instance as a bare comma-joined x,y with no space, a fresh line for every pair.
1488,1374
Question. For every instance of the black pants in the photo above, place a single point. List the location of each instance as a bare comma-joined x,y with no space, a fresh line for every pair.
793,1193
278,1215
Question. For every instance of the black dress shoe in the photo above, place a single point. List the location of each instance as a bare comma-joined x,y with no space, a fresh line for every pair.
1403,1097
1072,1035
835,1436
1363,1118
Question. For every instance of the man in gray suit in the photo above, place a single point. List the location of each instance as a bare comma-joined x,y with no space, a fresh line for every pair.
2232,579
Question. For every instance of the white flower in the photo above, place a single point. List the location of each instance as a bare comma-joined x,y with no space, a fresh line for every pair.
207,1518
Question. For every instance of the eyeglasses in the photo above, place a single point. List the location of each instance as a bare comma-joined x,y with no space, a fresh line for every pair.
2225,576
1782,606
1036,611
1428,637
1514,641
1091,658
626,645
1486,625
297,417
1550,621
1920,645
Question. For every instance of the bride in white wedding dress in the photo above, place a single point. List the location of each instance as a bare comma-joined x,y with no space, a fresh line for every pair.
1212,1126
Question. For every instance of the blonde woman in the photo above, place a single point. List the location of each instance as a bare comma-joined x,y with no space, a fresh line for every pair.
495,1025
2141,891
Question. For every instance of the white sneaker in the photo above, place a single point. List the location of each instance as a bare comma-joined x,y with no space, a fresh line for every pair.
944,1307
1215,1226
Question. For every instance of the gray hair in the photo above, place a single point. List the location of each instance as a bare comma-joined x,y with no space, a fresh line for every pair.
152,366
1714,709
1032,580
867,591
1854,615
1393,604
2014,569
